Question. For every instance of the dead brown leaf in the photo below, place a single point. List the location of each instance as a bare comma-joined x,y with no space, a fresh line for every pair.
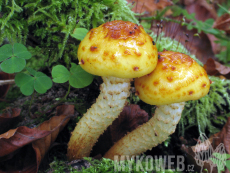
16,151
149,7
203,11
8,118
215,68
223,23
223,137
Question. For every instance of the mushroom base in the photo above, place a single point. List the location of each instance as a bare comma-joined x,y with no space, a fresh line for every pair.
109,104
150,134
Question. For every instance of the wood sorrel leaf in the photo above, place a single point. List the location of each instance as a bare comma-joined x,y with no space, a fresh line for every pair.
79,78
5,52
42,82
25,82
60,74
21,51
13,64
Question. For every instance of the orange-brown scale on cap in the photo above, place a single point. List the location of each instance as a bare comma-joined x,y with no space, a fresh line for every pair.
204,85
135,68
92,34
190,92
137,53
177,76
140,43
155,83
127,52
93,48
106,53
122,29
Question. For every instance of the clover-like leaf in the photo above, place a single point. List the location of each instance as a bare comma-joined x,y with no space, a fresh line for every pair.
79,33
20,51
14,58
31,71
13,64
5,52
228,164
42,82
60,74
25,82
79,78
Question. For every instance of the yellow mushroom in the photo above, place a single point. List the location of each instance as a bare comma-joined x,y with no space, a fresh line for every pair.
118,51
176,79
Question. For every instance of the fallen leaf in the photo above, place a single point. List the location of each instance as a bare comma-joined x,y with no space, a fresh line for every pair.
8,118
223,23
223,137
24,148
149,7
203,11
215,68
42,145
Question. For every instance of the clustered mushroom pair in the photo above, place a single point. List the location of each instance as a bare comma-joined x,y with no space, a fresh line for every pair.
120,51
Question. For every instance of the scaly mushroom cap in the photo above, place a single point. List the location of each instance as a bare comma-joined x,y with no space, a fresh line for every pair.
176,78
118,48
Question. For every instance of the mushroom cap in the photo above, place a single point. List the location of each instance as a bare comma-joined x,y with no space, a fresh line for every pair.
119,49
176,78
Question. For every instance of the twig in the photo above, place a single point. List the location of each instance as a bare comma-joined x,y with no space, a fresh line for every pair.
7,82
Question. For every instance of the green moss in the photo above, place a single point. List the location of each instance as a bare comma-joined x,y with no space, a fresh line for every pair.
109,166
46,25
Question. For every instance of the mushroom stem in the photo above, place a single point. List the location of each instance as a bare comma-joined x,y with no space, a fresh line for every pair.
109,104
149,135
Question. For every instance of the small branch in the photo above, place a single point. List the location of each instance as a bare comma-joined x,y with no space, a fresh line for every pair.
7,82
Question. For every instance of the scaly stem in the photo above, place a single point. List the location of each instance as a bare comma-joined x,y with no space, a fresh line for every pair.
109,104
149,135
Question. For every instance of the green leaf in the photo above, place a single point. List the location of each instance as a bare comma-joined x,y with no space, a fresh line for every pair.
31,71
21,51
42,82
228,164
12,65
5,52
60,74
79,78
25,82
79,33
